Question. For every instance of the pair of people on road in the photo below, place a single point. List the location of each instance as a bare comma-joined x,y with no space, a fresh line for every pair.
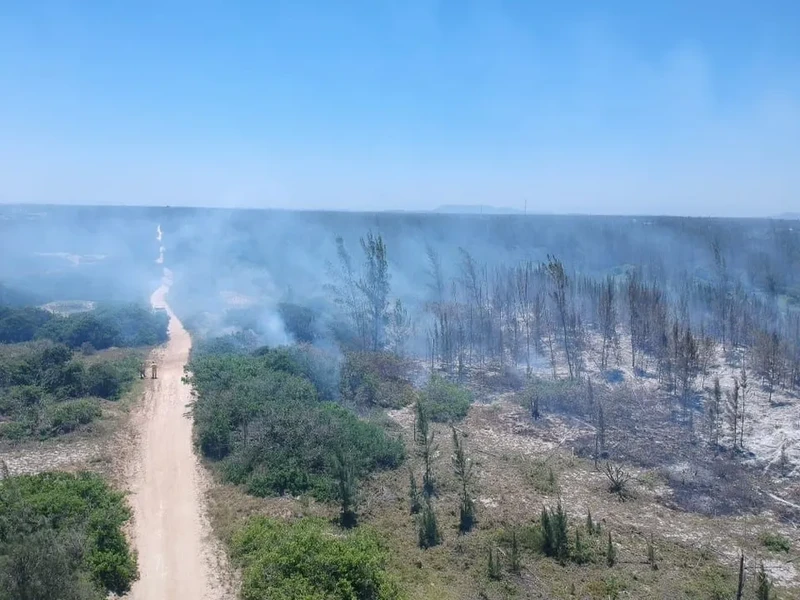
153,371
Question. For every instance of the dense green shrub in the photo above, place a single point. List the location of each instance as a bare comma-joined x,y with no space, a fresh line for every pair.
306,560
262,417
44,387
21,324
445,401
106,326
67,416
61,537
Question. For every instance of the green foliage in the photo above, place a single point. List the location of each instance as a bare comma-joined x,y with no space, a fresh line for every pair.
306,560
13,431
429,534
414,495
67,416
651,554
21,324
376,379
515,565
463,471
347,487
495,566
776,542
579,554
764,587
611,552
240,342
555,540
61,537
543,478
424,437
104,327
261,417
46,389
444,401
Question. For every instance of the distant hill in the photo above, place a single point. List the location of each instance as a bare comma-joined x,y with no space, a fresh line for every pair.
789,215
476,209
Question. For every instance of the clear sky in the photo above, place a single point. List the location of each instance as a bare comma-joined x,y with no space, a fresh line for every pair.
596,107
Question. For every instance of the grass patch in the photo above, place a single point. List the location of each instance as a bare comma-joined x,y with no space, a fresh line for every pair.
543,478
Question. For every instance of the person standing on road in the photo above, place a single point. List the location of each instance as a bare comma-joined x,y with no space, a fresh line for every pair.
154,371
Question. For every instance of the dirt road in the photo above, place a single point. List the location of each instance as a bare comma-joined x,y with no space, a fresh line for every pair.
177,558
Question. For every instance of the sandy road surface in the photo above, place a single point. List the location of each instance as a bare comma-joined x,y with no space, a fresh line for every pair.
177,557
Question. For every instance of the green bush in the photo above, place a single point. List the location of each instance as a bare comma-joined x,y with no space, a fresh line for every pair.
108,379
21,324
13,431
41,383
776,542
107,326
261,417
445,401
307,560
61,537
67,416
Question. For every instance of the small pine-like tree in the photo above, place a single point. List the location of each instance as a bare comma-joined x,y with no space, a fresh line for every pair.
463,470
347,490
548,544
514,558
764,589
579,551
424,436
589,523
555,541
429,535
651,554
495,568
415,496
559,523
611,552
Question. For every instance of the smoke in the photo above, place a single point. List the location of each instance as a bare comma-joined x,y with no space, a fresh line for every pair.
267,272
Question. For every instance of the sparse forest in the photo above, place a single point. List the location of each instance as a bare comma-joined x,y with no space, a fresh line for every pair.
472,407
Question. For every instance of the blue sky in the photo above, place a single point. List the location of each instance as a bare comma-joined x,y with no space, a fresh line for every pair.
614,107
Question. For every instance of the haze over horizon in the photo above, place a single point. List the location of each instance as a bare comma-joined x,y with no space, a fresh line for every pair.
619,109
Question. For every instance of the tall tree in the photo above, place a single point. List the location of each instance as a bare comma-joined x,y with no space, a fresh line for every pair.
463,471
424,437
559,287
374,285
607,320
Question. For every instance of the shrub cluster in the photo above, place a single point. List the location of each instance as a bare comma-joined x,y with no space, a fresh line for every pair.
46,389
308,560
61,537
445,402
104,327
262,419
